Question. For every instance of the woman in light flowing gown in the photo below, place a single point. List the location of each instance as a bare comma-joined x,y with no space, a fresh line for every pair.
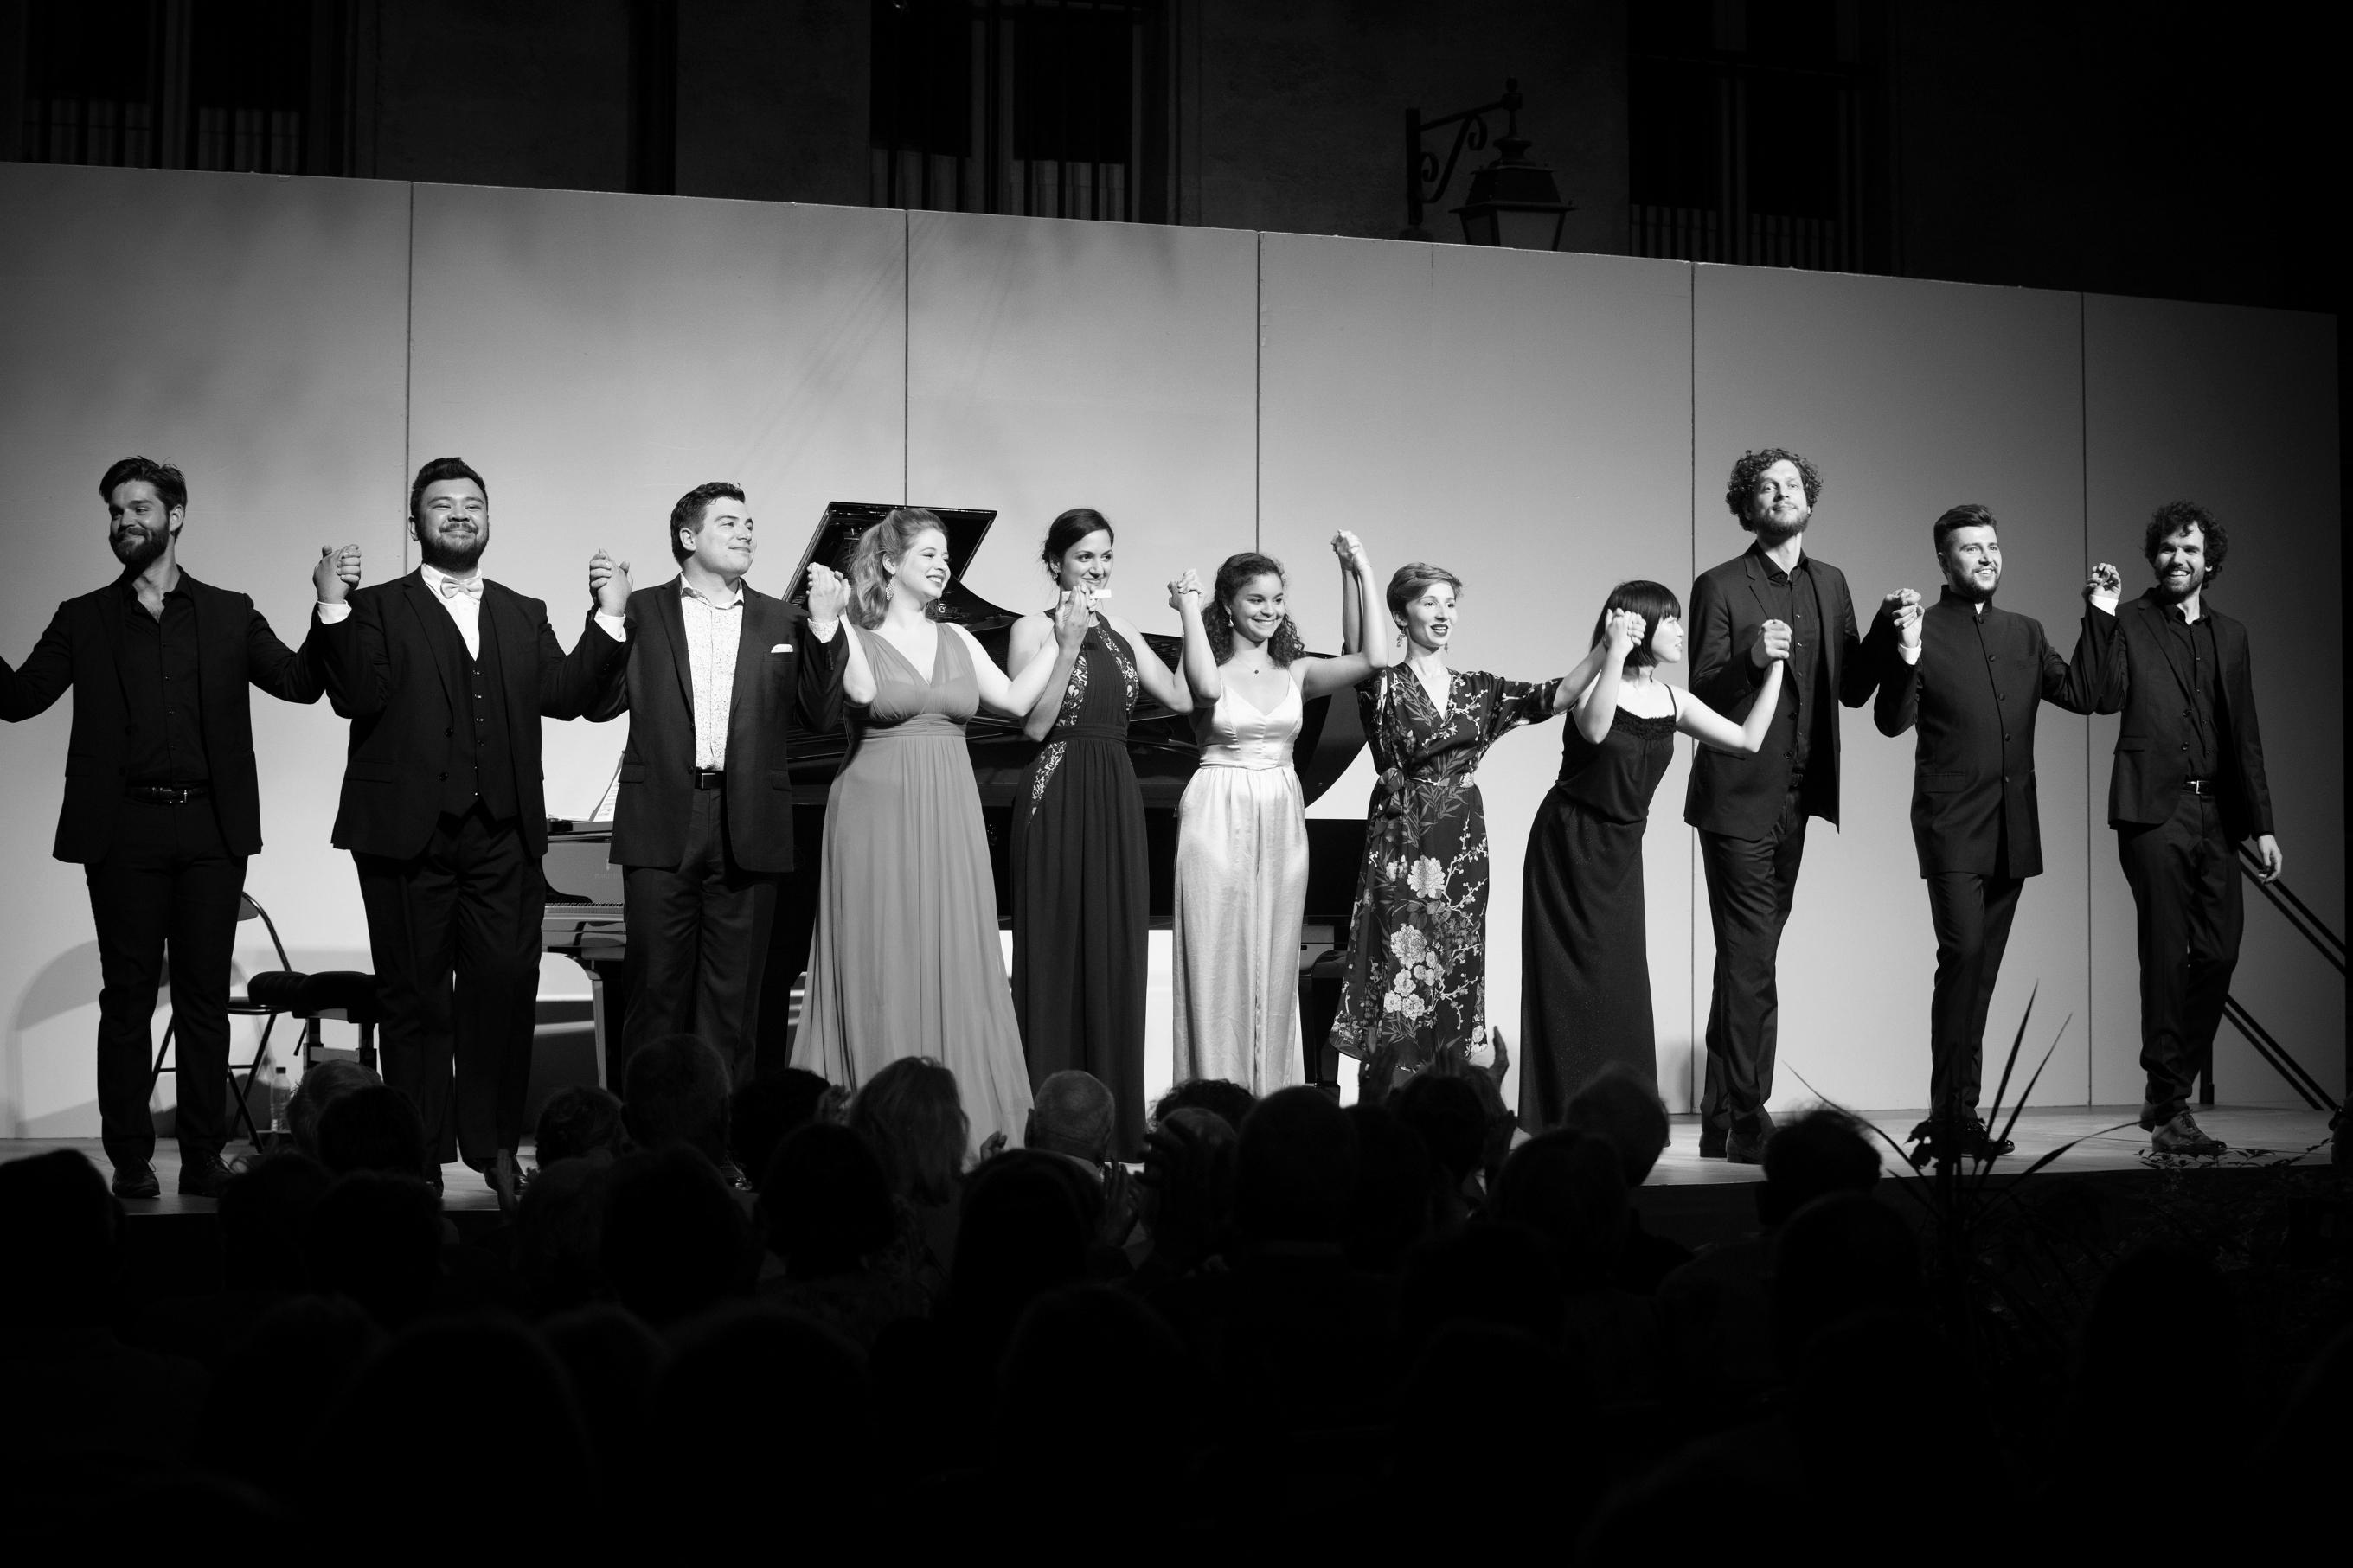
1241,832
905,960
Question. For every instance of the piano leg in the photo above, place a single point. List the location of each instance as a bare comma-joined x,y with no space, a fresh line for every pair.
596,1013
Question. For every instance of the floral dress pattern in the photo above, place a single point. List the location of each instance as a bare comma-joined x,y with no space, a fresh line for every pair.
1416,969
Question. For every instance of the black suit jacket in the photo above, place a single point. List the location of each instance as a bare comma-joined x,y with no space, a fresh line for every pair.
783,674
1742,795
236,648
1975,693
385,674
2148,680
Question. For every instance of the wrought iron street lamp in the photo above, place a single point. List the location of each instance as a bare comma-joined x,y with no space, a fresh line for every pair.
1511,202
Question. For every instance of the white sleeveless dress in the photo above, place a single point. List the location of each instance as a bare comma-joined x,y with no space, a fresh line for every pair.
1241,889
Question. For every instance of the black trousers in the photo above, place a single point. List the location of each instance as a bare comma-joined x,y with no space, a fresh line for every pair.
168,880
1972,915
698,947
1751,884
455,934
2191,909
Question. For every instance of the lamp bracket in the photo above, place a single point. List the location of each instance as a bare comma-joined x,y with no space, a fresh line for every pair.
1425,178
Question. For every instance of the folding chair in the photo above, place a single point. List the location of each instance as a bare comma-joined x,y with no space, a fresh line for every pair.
246,1003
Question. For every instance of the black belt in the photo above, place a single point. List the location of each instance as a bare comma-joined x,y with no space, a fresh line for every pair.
1088,733
2202,786
166,794
710,778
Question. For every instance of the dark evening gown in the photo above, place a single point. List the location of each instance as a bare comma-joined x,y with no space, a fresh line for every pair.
1585,965
1080,887
1417,968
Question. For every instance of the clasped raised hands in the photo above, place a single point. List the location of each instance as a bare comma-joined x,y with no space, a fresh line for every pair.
1073,615
829,593
1772,643
608,583
1184,587
2105,584
1903,607
337,573
1351,550
1624,630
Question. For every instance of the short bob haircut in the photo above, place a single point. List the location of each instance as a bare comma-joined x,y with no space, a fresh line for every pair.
1066,531
2172,517
1654,602
1966,515
870,564
439,470
687,516
171,489
1414,579
1737,490
912,1117
1217,621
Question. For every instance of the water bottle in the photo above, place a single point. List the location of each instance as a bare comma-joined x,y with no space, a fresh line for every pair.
279,1093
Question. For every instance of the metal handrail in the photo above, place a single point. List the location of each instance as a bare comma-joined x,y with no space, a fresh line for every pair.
2299,914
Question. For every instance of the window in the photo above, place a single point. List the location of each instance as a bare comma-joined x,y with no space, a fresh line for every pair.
1045,108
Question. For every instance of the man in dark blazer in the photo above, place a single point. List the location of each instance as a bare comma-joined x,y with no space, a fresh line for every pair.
1973,676
162,804
703,827
445,676
2187,786
1751,812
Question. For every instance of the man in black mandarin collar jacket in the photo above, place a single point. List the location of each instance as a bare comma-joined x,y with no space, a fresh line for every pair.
2187,786
445,676
1973,676
163,805
717,675
1751,812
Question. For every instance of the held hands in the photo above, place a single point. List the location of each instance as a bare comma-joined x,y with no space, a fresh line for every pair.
1624,630
1772,643
1351,551
1072,616
608,583
829,594
1908,610
2103,585
1187,586
337,573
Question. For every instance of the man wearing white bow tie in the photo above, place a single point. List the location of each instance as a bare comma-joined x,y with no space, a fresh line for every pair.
445,676
717,675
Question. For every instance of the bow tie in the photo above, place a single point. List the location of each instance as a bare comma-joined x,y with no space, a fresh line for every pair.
471,587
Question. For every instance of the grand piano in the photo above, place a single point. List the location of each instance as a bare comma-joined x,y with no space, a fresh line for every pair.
584,920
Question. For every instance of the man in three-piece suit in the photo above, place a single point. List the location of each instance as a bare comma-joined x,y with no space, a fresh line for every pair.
2187,786
1973,676
1751,812
162,804
445,676
705,824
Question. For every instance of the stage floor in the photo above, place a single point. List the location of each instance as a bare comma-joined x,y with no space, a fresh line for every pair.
2254,1134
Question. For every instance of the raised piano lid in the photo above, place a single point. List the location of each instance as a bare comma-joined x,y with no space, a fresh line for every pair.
844,521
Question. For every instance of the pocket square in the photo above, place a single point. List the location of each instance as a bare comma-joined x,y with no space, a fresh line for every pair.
782,647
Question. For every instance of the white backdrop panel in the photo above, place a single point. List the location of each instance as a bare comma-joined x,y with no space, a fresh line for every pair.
1911,397
250,328
2235,409
1523,420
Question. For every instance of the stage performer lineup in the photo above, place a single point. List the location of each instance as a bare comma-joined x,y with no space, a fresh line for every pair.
443,676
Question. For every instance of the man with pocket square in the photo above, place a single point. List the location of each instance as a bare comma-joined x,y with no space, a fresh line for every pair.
703,827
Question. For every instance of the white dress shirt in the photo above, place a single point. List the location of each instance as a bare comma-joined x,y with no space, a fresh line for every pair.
714,630
466,612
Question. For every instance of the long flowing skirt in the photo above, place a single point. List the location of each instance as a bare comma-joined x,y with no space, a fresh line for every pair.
1241,889
905,960
1082,920
1585,967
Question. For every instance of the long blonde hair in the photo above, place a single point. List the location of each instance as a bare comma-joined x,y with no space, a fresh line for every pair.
870,568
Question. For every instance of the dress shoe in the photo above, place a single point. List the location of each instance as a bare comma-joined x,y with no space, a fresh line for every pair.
202,1176
1745,1147
137,1182
1979,1143
2182,1135
505,1179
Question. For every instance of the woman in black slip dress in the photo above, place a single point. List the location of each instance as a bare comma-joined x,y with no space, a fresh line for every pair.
1585,968
1081,882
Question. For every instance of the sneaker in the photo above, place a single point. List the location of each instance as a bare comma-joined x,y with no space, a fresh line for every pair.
2182,1135
137,1182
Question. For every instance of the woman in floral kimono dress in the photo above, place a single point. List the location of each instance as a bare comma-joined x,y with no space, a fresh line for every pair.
1417,965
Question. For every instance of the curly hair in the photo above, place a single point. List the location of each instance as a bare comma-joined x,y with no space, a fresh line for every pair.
878,548
1413,580
2177,515
1654,602
1737,490
1217,621
912,1117
1066,531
